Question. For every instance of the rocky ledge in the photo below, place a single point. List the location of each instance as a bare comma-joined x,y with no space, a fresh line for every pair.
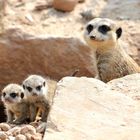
86,108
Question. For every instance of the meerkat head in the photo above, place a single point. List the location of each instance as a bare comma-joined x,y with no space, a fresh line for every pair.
35,86
12,93
101,32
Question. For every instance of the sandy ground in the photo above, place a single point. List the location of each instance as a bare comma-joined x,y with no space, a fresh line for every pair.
56,23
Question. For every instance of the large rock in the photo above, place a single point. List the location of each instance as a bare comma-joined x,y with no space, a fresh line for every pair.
86,108
129,85
23,54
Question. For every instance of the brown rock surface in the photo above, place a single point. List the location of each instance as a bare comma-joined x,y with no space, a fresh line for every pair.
23,54
65,5
86,108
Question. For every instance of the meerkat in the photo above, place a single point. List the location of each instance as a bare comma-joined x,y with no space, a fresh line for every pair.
36,92
102,35
17,108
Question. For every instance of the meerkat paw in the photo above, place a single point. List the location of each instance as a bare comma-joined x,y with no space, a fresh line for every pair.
18,122
11,122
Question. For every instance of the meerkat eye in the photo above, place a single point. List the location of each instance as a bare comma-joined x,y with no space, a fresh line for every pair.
29,89
13,95
89,28
104,29
38,88
4,94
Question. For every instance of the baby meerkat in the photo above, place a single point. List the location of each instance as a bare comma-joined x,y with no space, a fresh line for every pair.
36,92
17,108
103,35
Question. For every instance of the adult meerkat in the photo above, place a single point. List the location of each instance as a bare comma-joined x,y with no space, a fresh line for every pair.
36,92
17,108
103,35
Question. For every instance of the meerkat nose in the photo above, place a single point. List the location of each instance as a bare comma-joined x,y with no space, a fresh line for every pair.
92,37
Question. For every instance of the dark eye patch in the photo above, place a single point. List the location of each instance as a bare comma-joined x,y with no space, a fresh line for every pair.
38,88
4,94
104,29
89,28
29,89
13,95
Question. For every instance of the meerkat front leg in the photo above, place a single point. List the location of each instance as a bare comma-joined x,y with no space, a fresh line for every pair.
10,116
45,112
21,118
33,112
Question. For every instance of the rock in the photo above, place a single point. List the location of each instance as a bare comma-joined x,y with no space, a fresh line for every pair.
11,138
37,136
20,137
120,10
14,131
129,85
28,129
23,54
65,5
4,126
3,136
86,108
41,128
88,14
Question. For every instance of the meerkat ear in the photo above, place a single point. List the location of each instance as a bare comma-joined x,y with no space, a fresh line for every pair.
44,83
22,95
119,32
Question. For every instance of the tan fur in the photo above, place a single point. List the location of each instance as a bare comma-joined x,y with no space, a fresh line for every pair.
112,60
42,102
16,108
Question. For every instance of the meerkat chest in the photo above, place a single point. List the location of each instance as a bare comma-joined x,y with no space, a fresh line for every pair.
106,65
112,65
14,108
103,63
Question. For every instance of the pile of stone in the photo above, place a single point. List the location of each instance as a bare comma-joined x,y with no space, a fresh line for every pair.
20,132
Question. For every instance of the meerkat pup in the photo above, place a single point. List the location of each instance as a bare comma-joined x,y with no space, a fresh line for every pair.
103,35
17,108
36,92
